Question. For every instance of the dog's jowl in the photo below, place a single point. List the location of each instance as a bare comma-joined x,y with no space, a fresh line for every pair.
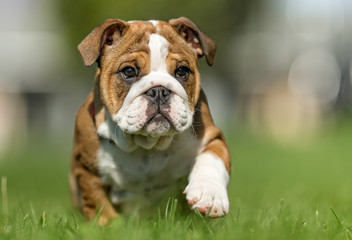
145,133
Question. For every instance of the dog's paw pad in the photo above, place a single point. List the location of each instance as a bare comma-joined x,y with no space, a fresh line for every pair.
209,199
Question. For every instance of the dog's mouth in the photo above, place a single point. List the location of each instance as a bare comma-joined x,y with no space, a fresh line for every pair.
158,116
159,124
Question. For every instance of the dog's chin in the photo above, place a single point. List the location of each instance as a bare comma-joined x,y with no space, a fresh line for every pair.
158,125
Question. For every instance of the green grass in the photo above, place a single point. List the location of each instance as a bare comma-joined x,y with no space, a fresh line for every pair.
277,191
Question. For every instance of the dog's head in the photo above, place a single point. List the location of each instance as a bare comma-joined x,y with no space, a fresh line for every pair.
149,81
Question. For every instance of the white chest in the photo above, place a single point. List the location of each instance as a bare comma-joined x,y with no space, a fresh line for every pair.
143,177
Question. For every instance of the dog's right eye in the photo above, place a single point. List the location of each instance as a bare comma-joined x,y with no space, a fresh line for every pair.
128,73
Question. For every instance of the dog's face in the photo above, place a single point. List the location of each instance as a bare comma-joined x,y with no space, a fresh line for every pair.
149,81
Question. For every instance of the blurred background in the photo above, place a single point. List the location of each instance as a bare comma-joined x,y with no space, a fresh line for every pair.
280,88
283,67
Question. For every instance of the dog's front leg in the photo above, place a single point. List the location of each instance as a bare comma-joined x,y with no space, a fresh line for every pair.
93,197
207,188
87,190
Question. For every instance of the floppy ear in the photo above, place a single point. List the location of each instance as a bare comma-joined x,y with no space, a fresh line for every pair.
201,43
106,33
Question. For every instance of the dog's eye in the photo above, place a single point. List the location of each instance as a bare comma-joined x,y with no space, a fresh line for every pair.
182,73
128,73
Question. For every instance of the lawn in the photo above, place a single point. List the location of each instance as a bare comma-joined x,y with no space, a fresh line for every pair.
277,191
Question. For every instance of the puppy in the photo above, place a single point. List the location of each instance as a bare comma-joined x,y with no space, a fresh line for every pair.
145,133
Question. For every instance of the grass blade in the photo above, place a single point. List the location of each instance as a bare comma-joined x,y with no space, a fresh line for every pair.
5,205
205,223
75,222
238,215
42,220
98,215
34,216
338,220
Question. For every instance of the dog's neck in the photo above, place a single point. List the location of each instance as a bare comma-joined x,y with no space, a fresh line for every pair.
109,130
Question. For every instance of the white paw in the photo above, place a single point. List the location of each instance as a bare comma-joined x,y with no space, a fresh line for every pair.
208,198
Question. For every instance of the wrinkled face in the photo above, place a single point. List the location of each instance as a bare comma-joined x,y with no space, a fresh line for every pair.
149,81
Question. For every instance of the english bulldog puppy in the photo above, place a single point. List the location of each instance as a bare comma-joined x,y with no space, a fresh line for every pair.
145,132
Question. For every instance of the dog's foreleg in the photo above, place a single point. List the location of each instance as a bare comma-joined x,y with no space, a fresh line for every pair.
93,197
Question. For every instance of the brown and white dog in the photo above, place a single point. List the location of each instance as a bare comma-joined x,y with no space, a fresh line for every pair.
146,129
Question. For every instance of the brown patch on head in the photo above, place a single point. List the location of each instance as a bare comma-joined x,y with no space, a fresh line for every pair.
131,50
182,54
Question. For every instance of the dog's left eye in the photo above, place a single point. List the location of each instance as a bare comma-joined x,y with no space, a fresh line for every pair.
182,73
128,73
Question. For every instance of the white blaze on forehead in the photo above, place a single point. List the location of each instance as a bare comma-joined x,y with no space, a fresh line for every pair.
155,22
159,48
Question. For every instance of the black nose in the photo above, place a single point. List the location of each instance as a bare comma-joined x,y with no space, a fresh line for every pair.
158,95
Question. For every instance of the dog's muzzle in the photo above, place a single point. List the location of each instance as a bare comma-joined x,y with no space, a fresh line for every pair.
158,110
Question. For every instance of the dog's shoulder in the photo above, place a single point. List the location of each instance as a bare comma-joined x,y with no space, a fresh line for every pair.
84,114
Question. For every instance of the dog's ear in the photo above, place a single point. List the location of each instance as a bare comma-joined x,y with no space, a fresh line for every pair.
106,33
200,42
